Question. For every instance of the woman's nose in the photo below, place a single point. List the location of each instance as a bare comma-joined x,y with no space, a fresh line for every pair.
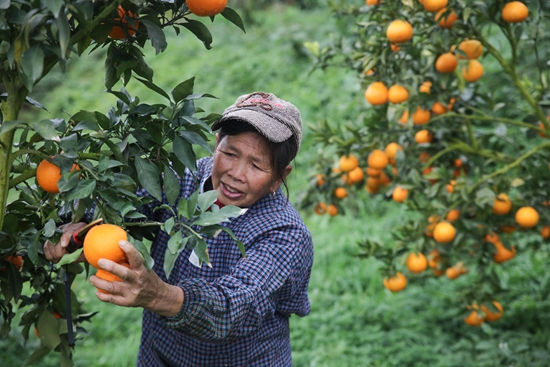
238,171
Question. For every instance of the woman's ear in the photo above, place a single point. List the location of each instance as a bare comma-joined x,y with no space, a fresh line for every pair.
278,183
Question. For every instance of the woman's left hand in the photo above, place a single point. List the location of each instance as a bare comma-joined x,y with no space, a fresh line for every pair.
138,287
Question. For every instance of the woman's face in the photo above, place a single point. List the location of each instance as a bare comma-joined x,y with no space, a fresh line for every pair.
242,171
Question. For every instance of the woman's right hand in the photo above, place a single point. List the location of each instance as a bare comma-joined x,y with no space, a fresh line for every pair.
54,253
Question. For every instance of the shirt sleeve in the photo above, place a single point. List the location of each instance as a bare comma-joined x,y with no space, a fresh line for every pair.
235,305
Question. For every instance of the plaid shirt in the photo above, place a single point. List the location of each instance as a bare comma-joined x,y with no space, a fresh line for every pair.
236,313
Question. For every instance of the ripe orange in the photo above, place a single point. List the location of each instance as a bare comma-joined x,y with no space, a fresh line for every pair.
123,29
446,63
348,163
373,172
514,12
391,151
395,47
398,94
453,215
340,193
332,210
421,116
416,263
527,217
502,204
396,283
432,220
444,232
110,277
320,208
48,174
474,319
102,242
355,175
404,118
17,261
473,71
400,194
378,159
423,136
438,108
492,237
492,316
433,259
446,21
545,232
206,8
372,2
425,87
434,5
450,186
455,271
472,49
399,31
377,94
503,254
320,179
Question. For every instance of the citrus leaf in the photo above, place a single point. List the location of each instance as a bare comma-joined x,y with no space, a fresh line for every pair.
183,89
232,16
148,176
171,185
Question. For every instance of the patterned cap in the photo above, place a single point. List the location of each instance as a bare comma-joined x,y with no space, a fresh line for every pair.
276,119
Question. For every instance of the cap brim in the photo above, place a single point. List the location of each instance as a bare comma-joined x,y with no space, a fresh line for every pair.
273,129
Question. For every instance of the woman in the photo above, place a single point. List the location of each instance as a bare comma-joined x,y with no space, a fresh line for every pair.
236,313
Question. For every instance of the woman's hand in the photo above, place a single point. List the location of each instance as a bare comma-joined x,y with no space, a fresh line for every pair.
138,287
54,253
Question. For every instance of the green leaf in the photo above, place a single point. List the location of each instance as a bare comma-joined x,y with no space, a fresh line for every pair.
195,138
5,4
10,125
206,199
485,196
200,31
49,228
46,129
48,329
240,244
64,35
37,355
171,185
209,218
183,89
192,204
155,88
168,225
32,62
147,259
83,188
149,177
232,16
201,251
35,103
69,258
54,6
182,208
169,261
86,125
156,35
184,152
174,242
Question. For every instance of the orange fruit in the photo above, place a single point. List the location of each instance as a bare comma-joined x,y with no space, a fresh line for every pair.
474,319
320,179
425,87
455,271
102,242
123,29
545,232
508,229
400,194
48,174
391,150
492,316
433,259
421,116
450,187
444,232
340,193
404,118
514,12
438,108
373,172
458,163
320,208
110,277
377,94
503,254
206,8
502,204
446,63
399,31
491,237
348,163
472,49
332,210
396,283
16,260
527,217
378,159
395,47
384,179
434,5
446,21
372,2
355,175
416,263
432,220
453,215
473,71
423,136
398,94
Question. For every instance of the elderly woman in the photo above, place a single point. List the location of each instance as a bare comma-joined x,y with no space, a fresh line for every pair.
236,313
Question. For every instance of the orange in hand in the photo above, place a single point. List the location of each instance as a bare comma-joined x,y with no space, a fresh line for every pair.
102,242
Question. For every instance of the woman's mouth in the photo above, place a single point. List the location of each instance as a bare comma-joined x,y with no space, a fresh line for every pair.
230,192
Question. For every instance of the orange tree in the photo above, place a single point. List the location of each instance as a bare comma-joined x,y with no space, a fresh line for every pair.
454,127
92,160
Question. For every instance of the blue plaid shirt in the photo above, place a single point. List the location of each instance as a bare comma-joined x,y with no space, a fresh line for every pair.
236,313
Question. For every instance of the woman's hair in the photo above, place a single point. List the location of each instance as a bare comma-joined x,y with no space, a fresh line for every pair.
281,154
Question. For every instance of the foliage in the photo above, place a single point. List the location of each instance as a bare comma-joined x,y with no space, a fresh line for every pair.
490,136
134,147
